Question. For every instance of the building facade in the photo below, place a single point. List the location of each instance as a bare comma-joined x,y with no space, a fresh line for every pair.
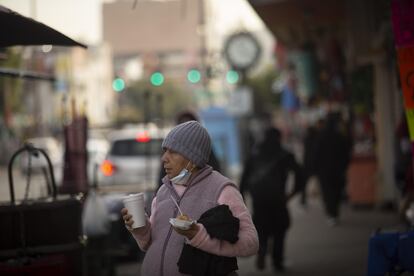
352,42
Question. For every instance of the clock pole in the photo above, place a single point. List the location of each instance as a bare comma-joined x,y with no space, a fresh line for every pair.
242,51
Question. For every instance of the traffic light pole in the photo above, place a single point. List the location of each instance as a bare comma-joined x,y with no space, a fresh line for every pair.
203,50
146,106
160,110
146,121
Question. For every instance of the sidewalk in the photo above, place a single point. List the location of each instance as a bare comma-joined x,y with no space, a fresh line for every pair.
314,248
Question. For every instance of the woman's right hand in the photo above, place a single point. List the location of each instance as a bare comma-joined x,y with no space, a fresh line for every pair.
128,221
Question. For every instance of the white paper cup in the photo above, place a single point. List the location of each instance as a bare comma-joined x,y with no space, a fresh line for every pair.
136,207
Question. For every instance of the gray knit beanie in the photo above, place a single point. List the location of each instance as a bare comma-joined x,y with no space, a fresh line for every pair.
191,140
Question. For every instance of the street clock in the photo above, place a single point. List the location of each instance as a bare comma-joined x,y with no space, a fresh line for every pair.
242,51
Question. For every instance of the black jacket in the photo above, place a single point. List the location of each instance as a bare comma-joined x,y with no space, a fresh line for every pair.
221,224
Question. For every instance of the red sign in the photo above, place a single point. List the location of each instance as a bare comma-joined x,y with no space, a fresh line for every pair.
403,22
406,64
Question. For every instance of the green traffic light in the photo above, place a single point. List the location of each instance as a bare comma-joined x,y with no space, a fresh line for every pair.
193,76
118,85
157,79
232,77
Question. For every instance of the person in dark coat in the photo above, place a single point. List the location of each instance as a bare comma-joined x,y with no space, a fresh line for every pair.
309,158
264,177
404,169
333,151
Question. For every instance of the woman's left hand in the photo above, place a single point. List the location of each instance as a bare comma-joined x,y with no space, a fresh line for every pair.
190,232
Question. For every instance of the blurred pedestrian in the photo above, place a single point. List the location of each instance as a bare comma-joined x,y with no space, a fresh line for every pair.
309,158
404,169
264,177
198,190
183,117
333,152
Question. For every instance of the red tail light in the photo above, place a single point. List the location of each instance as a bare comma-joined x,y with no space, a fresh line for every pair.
107,168
143,137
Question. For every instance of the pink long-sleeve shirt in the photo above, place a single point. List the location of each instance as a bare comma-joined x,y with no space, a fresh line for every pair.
247,244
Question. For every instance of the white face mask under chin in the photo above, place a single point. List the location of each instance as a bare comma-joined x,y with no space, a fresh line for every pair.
182,178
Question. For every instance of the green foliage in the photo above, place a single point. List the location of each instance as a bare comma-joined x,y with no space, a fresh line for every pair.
142,101
263,96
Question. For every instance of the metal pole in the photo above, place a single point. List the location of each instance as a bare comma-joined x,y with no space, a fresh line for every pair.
203,48
146,146
160,110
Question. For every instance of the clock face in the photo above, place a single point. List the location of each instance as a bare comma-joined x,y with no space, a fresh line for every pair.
242,50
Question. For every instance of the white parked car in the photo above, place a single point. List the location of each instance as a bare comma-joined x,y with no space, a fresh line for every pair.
133,158
97,150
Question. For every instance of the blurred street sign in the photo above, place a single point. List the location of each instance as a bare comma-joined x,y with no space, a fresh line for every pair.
241,101
406,65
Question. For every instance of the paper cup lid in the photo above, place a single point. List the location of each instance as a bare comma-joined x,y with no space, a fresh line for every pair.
131,197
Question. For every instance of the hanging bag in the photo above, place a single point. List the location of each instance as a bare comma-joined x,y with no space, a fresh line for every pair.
95,217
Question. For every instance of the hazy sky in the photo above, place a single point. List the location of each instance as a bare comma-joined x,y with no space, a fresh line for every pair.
235,14
82,19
